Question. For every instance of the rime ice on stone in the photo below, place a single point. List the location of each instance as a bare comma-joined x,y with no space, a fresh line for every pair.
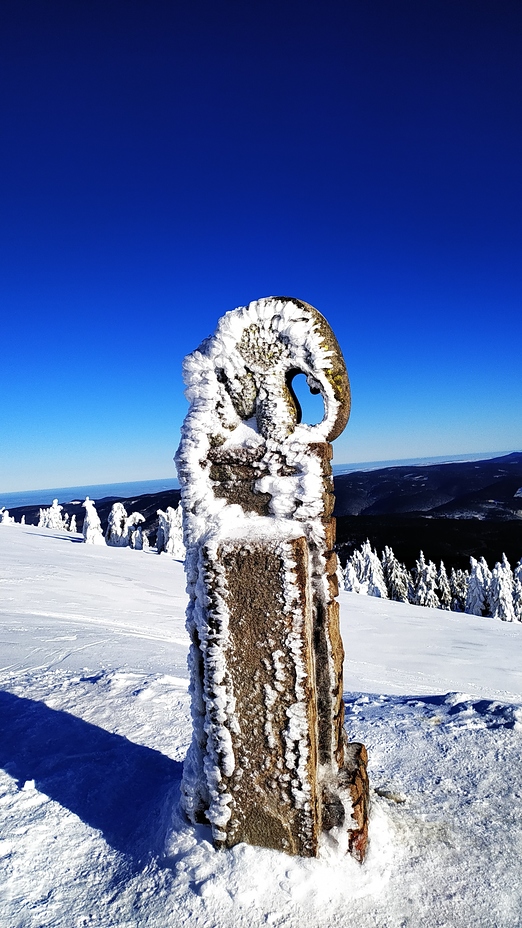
269,763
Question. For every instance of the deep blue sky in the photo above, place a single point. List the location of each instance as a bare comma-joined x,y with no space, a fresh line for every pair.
163,162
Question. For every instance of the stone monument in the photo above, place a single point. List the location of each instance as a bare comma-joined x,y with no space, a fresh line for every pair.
269,762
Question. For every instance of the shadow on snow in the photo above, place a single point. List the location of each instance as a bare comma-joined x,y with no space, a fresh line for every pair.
123,789
74,539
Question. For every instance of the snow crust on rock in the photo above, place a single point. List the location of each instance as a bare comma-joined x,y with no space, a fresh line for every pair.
296,733
219,381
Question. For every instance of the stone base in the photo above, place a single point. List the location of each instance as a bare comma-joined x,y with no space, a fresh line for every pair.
281,793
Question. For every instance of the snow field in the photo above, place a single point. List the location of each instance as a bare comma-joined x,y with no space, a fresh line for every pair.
95,721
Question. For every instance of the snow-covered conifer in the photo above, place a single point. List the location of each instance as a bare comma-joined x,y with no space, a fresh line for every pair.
425,583
476,591
486,580
443,587
5,518
395,576
358,565
364,566
369,572
117,535
517,573
506,567
340,574
22,520
134,530
420,588
501,592
55,518
176,546
52,517
351,581
411,587
72,524
170,533
458,585
375,578
431,600
163,531
517,599
92,531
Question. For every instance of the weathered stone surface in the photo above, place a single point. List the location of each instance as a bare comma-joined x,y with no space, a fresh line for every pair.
269,762
269,658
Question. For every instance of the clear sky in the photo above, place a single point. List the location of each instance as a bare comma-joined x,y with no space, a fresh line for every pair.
163,162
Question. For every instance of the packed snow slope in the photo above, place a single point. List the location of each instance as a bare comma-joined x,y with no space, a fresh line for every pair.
95,722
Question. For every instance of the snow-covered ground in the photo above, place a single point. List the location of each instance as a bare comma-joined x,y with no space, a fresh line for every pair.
95,722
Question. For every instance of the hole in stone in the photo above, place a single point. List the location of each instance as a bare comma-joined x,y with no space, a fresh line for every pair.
310,406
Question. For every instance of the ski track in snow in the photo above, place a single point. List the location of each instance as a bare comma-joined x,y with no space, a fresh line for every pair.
95,723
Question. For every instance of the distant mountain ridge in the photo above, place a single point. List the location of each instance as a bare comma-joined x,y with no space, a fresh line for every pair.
485,490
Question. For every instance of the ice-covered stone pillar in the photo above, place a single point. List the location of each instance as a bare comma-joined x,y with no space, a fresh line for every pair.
269,762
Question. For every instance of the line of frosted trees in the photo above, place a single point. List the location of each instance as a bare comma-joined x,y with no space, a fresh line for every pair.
477,591
123,529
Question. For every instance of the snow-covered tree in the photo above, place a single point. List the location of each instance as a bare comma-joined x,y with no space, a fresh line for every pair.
358,566
5,518
116,534
124,530
22,520
420,586
425,583
72,524
517,573
52,517
134,530
368,571
458,585
170,533
92,531
506,567
432,600
517,599
501,592
486,578
351,580
176,547
477,589
340,574
395,576
374,574
443,587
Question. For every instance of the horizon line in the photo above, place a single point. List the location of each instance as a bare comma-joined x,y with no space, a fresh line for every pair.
362,465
